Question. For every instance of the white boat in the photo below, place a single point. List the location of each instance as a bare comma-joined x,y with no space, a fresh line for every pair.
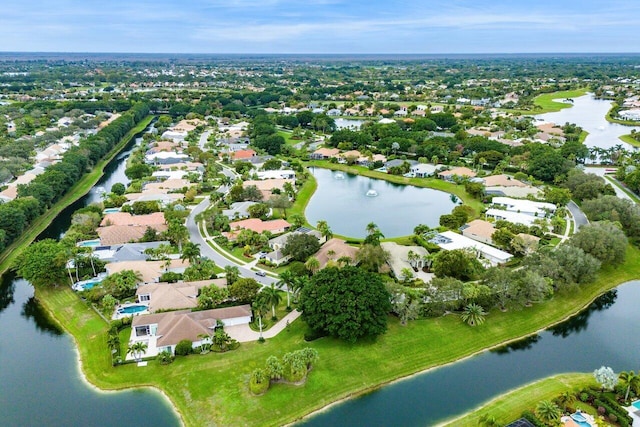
372,193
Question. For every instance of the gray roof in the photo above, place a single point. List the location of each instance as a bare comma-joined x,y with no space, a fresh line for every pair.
399,162
134,251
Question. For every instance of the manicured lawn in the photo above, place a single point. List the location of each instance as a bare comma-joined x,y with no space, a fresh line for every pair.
287,138
303,197
546,100
630,140
510,406
212,389
281,311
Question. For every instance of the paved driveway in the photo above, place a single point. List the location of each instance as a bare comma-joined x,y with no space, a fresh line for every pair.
579,216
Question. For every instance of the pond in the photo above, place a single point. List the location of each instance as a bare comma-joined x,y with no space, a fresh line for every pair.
349,202
607,333
589,113
352,124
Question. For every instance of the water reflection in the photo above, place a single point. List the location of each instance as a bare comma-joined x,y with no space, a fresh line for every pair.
580,322
7,289
523,344
31,310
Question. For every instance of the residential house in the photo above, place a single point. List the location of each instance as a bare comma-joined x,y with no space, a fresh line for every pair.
238,210
479,230
163,331
150,271
243,154
448,240
460,172
277,174
119,234
275,226
165,158
400,259
168,186
502,180
267,186
528,207
333,250
510,216
125,252
324,153
424,170
125,218
174,296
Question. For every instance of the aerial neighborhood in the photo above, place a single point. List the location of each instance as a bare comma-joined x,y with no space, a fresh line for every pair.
260,237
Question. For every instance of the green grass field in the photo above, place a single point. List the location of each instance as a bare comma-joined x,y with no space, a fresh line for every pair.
212,389
547,103
510,406
629,140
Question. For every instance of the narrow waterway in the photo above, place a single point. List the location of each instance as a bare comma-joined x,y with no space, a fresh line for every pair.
607,333
40,380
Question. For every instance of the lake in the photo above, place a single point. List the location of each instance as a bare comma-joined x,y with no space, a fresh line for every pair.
607,333
589,113
341,200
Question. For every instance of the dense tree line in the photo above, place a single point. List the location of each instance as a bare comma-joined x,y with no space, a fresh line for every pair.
50,186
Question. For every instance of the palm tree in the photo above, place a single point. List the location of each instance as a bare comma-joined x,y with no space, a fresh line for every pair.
260,306
273,298
547,411
312,264
286,279
631,380
113,341
191,252
232,273
344,260
473,314
297,283
137,349
324,229
566,398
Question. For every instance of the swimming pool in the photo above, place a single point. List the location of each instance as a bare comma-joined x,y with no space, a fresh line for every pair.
111,210
580,420
132,309
89,243
636,404
89,283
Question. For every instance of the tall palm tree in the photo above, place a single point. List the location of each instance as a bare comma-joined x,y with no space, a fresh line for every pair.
297,284
631,380
547,411
273,298
566,398
324,229
261,307
473,314
286,280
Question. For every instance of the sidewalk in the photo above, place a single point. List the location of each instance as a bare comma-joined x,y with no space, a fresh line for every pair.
243,333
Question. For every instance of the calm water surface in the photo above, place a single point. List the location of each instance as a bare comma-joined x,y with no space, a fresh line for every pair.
589,113
607,333
341,200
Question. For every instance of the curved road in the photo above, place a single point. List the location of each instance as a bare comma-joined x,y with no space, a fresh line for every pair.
209,252
579,217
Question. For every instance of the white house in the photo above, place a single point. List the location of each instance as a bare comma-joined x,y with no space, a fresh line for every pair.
163,331
424,170
448,240
277,174
512,217
528,207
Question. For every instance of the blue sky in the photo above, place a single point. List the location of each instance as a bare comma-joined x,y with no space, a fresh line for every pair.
320,26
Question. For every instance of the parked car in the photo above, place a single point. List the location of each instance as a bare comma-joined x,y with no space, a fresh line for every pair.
261,273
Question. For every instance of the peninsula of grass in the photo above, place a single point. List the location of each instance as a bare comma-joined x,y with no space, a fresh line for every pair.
511,405
547,104
82,187
213,389
611,119
433,183
630,140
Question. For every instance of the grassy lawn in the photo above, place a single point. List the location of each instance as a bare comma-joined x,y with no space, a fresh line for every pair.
212,389
617,183
583,136
546,100
303,197
436,184
629,140
510,406
9,255
281,311
287,137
